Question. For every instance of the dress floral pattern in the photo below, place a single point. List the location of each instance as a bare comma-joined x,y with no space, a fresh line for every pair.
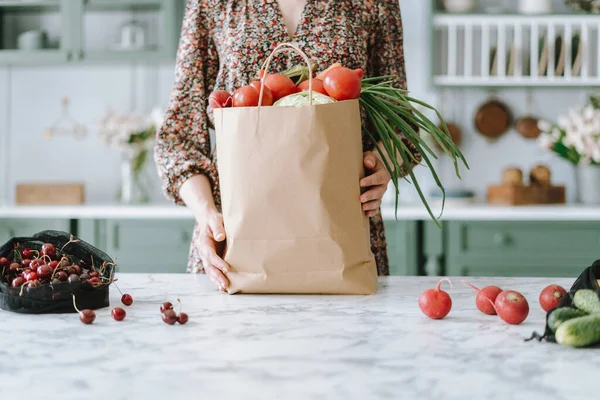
222,45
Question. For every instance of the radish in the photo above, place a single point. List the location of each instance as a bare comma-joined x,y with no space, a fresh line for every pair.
436,303
551,296
511,306
485,298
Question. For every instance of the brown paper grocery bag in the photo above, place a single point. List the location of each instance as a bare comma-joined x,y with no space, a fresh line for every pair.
290,198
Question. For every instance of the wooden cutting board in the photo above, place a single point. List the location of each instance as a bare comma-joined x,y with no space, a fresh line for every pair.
50,194
526,195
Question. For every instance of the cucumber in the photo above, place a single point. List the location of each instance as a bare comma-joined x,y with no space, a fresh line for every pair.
561,315
587,300
579,332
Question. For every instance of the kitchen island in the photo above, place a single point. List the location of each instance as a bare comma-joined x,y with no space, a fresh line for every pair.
291,347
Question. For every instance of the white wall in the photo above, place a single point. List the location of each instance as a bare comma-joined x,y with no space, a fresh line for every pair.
30,101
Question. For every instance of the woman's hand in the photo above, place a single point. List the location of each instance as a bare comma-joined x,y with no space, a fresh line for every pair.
376,180
210,243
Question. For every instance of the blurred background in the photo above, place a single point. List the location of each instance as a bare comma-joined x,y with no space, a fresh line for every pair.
73,71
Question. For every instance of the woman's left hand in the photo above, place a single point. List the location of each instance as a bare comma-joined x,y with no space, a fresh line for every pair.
376,180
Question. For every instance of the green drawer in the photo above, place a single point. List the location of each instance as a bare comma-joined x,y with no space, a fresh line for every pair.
533,249
402,241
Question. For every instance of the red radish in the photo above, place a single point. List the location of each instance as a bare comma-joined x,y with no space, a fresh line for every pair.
280,85
317,86
267,99
436,303
512,307
481,301
246,96
321,76
551,296
220,99
343,84
360,73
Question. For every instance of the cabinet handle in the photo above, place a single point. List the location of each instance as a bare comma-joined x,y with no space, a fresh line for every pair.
500,239
185,237
116,237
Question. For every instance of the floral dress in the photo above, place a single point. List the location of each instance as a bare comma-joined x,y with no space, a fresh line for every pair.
223,43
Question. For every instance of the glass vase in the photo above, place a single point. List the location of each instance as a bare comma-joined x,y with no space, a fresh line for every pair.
134,187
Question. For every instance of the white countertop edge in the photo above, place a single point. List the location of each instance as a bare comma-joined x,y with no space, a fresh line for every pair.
405,212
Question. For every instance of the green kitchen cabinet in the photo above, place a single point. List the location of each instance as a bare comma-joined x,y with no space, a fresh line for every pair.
142,246
22,18
13,227
403,247
520,248
68,25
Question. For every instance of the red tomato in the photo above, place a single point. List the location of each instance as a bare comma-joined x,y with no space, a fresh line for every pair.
246,96
219,99
551,296
267,99
342,84
317,86
280,85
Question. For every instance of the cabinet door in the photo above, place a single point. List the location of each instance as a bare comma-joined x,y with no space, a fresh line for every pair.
402,241
149,246
154,36
20,47
534,249
10,228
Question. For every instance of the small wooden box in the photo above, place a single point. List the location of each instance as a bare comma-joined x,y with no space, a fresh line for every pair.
526,195
50,194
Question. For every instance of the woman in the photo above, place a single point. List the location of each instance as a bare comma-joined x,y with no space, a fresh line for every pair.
222,43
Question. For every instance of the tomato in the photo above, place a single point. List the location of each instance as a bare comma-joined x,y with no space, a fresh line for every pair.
280,85
246,96
342,84
219,99
323,74
267,99
317,86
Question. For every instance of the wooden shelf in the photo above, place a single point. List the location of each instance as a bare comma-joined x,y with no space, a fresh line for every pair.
481,50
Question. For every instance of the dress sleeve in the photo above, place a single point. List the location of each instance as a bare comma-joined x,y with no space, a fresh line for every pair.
182,147
387,57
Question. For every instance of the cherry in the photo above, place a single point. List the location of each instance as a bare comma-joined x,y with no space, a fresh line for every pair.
94,274
86,316
18,281
84,277
44,271
55,281
73,278
4,262
35,263
25,272
78,270
33,283
95,281
26,263
62,276
127,299
183,318
72,271
48,249
166,306
14,267
84,264
31,276
53,265
118,313
27,253
169,317
64,263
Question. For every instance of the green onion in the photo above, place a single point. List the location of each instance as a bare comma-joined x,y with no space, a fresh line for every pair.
390,110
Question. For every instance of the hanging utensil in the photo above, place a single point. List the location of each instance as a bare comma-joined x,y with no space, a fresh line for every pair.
493,118
527,126
65,125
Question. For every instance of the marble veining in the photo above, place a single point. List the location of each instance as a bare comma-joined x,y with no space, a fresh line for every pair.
291,347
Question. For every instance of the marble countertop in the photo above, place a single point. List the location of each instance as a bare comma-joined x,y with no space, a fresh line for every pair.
405,212
291,347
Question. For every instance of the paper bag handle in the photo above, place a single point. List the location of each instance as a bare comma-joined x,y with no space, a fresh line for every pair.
279,49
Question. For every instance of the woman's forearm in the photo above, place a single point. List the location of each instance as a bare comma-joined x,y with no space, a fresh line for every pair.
197,195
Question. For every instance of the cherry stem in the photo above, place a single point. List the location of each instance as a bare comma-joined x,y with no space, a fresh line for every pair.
22,288
437,288
179,301
71,240
75,305
472,286
117,288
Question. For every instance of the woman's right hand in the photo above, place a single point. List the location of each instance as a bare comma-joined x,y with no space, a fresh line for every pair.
210,244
